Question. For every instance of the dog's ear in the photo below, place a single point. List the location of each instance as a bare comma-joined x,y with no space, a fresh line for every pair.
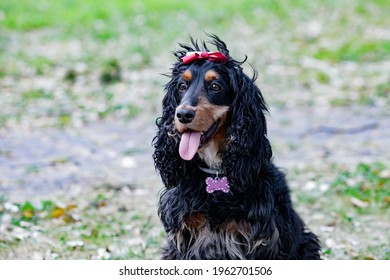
247,149
166,157
166,142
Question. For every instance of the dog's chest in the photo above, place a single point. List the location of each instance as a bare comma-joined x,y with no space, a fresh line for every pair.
197,240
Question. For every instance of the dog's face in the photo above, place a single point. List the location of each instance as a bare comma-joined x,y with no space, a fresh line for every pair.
213,109
205,96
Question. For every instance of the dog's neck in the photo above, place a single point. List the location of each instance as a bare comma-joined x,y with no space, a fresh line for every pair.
210,154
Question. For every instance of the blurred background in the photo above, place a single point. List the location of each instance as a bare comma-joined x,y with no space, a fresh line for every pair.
81,84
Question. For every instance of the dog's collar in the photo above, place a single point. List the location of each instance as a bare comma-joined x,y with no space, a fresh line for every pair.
210,171
212,56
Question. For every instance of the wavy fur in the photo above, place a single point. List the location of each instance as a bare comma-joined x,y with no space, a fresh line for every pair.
256,220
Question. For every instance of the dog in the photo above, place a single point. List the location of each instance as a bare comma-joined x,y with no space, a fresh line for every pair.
223,197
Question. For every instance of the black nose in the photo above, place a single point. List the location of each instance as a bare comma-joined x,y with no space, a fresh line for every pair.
185,115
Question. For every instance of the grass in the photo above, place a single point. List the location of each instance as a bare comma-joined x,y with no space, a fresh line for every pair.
353,207
36,94
107,223
80,48
356,51
73,14
368,187
365,189
100,227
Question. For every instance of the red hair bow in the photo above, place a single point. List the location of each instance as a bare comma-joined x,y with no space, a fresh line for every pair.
212,56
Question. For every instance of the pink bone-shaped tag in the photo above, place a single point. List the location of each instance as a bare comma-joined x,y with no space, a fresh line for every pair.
217,185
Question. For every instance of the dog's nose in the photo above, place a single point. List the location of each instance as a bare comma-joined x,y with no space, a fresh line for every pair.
185,115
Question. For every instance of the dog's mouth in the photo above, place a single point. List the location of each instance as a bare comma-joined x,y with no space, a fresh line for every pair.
191,140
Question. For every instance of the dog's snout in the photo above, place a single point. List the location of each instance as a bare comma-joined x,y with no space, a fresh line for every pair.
185,115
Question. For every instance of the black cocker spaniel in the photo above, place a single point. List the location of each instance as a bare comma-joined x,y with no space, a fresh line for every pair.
224,198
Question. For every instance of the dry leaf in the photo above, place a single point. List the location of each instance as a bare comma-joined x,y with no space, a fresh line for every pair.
57,212
69,219
70,207
28,214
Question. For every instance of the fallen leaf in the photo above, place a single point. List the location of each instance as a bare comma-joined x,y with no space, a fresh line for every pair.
28,214
71,206
69,219
57,212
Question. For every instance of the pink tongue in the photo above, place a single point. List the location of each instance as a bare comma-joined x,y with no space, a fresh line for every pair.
189,144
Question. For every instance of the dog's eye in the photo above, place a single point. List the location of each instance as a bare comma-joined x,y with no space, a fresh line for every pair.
215,87
182,87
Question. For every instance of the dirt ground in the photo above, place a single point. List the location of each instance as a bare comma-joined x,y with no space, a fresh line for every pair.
120,152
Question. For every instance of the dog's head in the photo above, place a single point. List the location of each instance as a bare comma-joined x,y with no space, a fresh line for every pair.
205,96
210,104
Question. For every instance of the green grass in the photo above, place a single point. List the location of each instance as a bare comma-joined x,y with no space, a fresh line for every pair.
104,223
353,203
73,14
383,89
113,39
356,51
36,94
100,16
367,185
79,229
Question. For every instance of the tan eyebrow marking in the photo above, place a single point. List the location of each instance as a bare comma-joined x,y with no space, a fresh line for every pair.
187,75
211,75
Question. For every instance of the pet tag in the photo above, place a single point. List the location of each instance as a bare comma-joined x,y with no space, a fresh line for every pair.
216,184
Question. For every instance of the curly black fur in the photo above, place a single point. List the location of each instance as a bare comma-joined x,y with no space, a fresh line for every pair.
256,220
